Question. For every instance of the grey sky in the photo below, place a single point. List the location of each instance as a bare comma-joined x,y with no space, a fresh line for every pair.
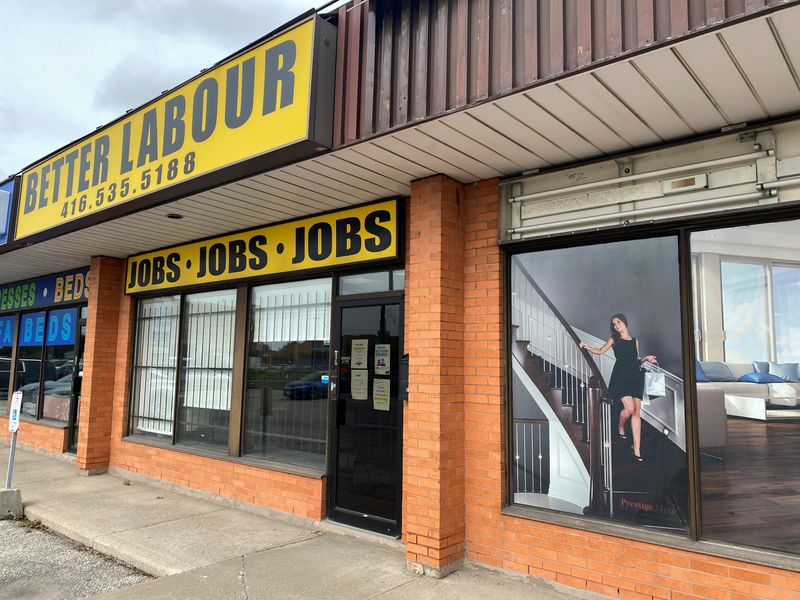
69,67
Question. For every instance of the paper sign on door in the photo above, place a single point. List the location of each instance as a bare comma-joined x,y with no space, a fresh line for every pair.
358,354
380,394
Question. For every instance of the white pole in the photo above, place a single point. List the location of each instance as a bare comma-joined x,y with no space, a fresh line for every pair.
11,460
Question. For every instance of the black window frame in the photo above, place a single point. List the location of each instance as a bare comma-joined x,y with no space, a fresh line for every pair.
683,228
238,376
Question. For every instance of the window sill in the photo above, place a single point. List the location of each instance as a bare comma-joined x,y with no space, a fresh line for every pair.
745,554
240,460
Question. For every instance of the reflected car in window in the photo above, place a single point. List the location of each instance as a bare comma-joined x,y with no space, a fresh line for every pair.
56,397
314,385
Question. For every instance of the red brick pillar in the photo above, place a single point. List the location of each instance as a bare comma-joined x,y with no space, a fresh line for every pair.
99,358
433,450
483,377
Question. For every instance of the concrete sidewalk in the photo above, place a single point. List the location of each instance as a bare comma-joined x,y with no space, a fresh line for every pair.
200,549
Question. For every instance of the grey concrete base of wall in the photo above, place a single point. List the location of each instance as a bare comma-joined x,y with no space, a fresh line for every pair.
418,568
64,456
10,503
91,472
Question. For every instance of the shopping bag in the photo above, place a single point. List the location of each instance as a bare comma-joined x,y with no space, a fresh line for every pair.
655,384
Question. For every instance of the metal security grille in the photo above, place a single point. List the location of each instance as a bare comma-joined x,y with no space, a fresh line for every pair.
207,363
154,365
287,381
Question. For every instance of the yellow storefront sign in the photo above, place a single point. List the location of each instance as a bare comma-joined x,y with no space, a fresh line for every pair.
362,234
257,102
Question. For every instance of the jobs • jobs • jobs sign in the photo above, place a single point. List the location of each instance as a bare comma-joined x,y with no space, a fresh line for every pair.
266,98
357,235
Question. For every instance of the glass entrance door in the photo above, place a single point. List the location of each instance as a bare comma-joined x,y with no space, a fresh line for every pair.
77,379
365,482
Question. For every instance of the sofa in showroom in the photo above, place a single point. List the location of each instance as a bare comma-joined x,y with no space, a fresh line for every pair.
753,390
712,421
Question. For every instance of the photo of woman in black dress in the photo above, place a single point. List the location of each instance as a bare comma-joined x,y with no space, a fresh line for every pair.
627,378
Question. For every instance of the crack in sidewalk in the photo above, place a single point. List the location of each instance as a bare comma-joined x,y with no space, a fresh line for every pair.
243,579
397,587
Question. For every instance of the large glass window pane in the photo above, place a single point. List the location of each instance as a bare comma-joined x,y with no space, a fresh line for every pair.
59,362
154,367
286,402
786,286
6,346
29,362
748,404
205,398
588,435
744,307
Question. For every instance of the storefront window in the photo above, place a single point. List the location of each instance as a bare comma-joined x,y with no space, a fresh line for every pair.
155,362
744,307
7,325
205,397
286,400
597,382
748,386
59,363
29,362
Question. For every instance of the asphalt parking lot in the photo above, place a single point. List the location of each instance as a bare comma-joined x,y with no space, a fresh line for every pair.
37,564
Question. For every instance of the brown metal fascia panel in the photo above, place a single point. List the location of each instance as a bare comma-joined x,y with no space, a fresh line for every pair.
556,25
409,60
460,52
439,46
419,60
369,65
697,14
583,24
502,77
385,54
677,20
570,35
715,11
401,64
526,53
614,41
352,74
479,21
339,85
645,23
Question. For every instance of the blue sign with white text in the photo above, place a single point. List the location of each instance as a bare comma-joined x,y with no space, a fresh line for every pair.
31,329
7,330
57,325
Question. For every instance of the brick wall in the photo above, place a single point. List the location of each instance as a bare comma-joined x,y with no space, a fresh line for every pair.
53,439
293,494
608,565
97,391
433,441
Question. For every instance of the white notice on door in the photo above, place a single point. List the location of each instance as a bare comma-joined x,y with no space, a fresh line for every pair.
380,394
358,354
359,384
